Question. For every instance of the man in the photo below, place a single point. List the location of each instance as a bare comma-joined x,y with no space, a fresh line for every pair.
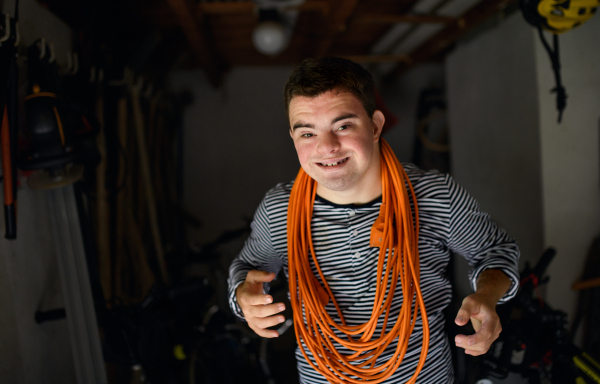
336,132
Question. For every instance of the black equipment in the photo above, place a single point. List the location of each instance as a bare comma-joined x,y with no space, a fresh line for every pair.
535,341
60,133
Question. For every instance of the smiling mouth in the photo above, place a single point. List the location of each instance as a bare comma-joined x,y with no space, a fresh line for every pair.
333,164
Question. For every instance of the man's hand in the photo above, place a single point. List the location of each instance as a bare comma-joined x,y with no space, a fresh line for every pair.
480,307
486,322
256,306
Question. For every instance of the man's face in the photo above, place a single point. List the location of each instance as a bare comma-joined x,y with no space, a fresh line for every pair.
337,143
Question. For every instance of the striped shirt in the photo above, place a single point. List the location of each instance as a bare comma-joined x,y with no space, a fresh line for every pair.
450,221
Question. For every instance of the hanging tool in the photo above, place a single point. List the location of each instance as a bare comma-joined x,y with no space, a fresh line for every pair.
60,132
140,136
9,106
557,16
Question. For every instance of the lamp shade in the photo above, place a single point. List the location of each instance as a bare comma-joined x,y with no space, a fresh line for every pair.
270,38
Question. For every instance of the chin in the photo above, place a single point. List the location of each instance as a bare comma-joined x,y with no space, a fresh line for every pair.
334,182
341,183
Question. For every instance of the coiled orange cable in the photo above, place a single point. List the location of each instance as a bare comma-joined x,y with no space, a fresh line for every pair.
313,325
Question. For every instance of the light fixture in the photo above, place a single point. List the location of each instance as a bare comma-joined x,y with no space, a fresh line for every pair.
270,37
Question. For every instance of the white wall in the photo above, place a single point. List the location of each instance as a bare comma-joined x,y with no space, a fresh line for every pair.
492,98
539,179
29,281
31,352
570,157
236,145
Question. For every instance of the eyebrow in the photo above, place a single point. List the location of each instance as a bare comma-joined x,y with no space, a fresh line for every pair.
302,124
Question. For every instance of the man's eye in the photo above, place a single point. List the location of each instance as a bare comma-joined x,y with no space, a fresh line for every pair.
307,135
343,127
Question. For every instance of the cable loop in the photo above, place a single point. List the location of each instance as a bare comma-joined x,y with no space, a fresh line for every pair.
399,256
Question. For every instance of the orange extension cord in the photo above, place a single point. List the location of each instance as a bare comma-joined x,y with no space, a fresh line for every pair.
395,231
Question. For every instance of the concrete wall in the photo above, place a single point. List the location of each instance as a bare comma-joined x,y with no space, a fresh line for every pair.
29,280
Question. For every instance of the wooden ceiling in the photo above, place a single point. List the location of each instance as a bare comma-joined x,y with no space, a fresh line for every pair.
218,33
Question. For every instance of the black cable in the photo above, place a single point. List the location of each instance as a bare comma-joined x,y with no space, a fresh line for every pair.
561,93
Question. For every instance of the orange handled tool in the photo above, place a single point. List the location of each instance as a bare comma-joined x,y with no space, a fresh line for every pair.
10,215
8,135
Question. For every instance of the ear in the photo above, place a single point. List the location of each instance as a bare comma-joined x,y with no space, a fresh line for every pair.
378,120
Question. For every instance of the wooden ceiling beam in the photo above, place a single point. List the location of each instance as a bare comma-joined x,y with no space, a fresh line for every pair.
377,59
334,24
444,39
412,19
249,7
193,29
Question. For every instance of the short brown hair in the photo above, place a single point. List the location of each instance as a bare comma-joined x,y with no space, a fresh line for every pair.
313,77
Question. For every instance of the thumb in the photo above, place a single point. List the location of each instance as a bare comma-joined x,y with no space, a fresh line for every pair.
260,277
464,313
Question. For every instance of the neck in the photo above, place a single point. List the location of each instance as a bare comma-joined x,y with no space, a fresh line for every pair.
367,189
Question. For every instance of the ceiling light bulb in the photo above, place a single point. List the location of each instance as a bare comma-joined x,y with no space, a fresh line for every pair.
270,38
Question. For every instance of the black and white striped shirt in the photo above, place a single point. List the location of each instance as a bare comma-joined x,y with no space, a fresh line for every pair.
450,221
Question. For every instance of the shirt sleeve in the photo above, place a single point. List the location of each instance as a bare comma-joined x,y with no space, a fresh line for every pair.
478,239
258,253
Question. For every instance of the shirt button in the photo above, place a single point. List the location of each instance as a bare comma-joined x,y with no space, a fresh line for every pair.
357,254
351,213
355,233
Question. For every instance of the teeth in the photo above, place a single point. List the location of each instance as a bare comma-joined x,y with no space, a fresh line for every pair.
332,164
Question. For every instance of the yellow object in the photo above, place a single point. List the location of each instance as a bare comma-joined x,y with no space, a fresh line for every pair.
396,232
179,353
591,360
563,15
39,94
60,126
581,364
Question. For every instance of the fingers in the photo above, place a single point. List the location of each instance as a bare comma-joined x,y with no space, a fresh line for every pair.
266,333
248,298
484,333
256,306
485,322
481,341
476,324
251,291
260,311
259,325
260,317
465,312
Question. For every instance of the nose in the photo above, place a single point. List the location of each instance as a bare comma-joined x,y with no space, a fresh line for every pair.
328,143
